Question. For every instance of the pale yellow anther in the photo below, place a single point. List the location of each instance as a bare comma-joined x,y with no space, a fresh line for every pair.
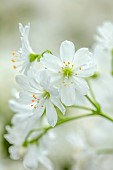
13,60
14,67
34,96
80,68
13,53
68,62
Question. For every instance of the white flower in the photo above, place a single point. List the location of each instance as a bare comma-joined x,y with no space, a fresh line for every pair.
23,56
105,36
33,154
40,95
68,71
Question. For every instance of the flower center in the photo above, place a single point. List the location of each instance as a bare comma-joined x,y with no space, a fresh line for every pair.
67,72
46,94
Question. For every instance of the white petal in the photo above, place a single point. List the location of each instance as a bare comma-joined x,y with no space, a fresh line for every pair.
51,62
82,56
30,160
39,111
81,85
22,80
44,79
46,162
67,95
67,50
57,103
25,98
86,70
51,113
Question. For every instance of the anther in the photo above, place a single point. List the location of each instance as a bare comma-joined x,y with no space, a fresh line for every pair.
34,107
13,60
14,67
33,100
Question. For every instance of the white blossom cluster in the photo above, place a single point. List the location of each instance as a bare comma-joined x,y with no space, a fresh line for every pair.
49,86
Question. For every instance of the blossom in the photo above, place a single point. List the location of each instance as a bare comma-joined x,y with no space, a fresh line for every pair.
104,36
69,70
33,154
22,58
40,95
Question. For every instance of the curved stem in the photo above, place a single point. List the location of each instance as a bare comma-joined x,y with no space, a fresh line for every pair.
91,91
81,107
59,123
91,101
106,116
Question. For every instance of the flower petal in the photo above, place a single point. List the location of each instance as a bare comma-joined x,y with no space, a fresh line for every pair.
67,94
57,103
51,62
81,85
51,113
30,160
67,50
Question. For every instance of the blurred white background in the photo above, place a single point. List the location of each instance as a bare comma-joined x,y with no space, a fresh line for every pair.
52,21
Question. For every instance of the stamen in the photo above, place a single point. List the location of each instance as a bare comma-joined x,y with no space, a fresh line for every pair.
13,60
13,53
68,62
33,100
35,107
14,67
34,96
80,68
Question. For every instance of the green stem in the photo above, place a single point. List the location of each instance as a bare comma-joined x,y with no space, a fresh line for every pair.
105,116
91,91
112,62
80,107
91,101
105,151
59,123
98,110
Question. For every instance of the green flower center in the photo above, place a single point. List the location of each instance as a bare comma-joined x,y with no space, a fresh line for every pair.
67,72
46,94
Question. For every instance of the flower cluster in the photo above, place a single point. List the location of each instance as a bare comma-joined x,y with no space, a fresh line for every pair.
47,92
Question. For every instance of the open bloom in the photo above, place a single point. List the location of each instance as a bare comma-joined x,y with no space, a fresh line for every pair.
40,95
31,155
68,71
22,58
104,36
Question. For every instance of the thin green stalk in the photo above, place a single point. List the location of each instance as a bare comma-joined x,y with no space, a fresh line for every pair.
106,116
112,63
80,107
91,101
59,123
105,151
91,91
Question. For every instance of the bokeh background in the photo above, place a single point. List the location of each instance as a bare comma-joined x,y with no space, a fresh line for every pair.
52,21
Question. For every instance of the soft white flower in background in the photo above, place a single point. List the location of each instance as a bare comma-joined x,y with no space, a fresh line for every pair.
22,58
39,94
33,154
69,70
105,35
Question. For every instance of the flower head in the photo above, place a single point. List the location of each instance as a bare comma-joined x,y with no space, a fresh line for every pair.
68,71
104,36
25,53
40,95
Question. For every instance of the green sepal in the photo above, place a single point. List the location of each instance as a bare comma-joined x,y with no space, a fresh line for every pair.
32,57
